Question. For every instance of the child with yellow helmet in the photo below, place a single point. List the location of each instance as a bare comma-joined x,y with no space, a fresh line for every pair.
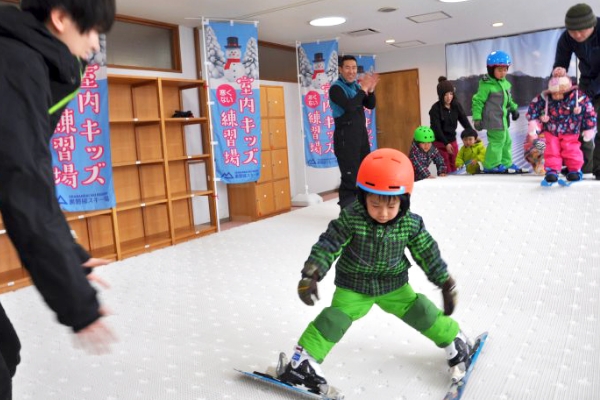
368,240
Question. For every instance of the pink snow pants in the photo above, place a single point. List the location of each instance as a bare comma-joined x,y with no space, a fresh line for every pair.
563,149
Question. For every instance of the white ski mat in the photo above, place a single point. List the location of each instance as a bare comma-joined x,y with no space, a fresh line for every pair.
526,260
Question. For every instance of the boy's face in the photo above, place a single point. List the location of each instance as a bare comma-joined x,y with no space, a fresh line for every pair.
349,70
82,45
425,146
500,72
380,209
582,35
469,141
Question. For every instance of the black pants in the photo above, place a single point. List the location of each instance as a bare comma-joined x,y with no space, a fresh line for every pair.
351,146
10,348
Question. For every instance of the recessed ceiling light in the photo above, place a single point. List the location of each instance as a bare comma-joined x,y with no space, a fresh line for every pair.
390,41
497,24
328,21
453,1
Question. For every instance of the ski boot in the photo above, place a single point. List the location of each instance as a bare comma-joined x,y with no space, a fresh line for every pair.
302,369
574,176
499,169
550,179
515,169
458,354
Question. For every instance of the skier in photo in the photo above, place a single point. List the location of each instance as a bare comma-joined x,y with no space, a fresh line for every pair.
368,240
422,154
562,118
493,105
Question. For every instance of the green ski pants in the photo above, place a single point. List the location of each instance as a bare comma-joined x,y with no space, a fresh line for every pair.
347,306
499,149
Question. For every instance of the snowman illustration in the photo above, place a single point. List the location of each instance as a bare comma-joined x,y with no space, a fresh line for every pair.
234,69
319,77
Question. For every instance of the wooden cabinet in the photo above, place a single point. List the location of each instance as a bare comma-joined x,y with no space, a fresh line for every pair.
162,173
271,193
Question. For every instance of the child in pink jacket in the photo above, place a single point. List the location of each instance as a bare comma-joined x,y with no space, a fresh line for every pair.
562,113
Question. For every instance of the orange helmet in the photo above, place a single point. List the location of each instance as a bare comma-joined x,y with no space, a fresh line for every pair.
386,172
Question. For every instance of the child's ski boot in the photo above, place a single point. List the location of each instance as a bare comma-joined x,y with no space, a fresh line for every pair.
499,169
515,169
572,176
302,369
458,354
550,179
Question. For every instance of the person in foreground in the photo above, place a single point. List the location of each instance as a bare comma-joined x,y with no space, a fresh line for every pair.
42,46
368,241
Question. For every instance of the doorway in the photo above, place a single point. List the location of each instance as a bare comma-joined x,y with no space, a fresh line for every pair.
398,109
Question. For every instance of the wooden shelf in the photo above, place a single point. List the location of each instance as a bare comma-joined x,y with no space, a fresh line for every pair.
153,175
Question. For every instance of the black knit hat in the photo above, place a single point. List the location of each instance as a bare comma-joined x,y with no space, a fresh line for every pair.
580,17
444,86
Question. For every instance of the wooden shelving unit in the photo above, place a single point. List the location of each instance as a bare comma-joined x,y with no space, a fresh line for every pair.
162,172
269,195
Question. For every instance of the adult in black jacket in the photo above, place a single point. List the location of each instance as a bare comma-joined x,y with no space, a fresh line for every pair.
350,138
444,116
583,39
40,48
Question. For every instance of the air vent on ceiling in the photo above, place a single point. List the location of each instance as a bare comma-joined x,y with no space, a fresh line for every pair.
362,32
410,43
429,17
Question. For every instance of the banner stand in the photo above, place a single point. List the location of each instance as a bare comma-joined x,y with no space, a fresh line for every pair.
304,199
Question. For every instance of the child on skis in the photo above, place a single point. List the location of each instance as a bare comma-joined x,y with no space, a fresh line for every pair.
561,114
492,106
472,153
368,240
422,154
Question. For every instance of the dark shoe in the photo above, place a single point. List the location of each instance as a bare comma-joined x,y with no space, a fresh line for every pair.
551,176
574,176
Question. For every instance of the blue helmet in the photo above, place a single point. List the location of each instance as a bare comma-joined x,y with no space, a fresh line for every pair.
498,59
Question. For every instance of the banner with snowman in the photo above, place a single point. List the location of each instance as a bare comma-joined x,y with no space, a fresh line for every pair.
366,65
231,60
317,70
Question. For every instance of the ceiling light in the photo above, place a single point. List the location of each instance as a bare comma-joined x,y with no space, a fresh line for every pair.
453,1
328,21
497,24
390,41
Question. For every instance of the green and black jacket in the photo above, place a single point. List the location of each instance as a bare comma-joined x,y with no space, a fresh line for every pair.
370,256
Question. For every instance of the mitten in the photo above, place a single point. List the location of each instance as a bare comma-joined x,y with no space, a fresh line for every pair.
478,125
307,287
449,294
514,115
588,135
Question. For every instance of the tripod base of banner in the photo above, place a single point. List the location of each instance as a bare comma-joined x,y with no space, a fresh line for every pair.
306,199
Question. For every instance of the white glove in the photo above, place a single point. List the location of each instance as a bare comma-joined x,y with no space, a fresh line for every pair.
588,135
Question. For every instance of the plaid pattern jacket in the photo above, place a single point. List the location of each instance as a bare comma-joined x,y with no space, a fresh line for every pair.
421,161
370,256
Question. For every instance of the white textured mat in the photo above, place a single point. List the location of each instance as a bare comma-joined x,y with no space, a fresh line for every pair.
526,260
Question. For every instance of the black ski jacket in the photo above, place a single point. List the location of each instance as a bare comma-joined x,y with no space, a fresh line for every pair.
37,74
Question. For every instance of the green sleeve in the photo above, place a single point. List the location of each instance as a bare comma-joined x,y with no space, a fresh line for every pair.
479,100
459,158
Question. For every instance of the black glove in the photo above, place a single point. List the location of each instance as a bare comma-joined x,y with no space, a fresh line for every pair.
478,125
514,115
307,288
449,294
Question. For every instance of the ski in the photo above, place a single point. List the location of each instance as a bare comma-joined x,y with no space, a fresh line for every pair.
545,183
260,376
457,388
565,183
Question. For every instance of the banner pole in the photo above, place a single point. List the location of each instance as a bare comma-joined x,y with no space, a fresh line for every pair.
303,199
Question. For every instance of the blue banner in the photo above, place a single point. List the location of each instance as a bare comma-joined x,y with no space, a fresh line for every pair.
232,73
317,70
80,146
366,65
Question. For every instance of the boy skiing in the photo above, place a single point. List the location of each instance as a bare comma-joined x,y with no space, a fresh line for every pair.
368,241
